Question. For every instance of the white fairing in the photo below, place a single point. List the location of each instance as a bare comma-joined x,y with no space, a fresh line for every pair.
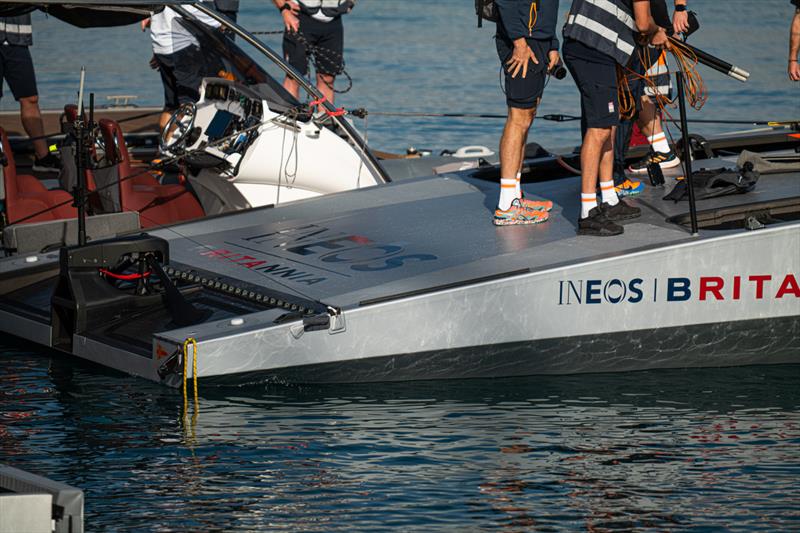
283,159
298,161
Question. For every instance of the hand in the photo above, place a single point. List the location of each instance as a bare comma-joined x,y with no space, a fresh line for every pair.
794,71
659,39
519,59
553,59
153,63
145,23
680,21
290,21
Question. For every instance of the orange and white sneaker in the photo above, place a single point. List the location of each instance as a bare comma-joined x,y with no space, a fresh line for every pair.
517,214
536,205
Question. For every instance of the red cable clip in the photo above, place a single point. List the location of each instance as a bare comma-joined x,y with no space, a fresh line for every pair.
124,277
318,102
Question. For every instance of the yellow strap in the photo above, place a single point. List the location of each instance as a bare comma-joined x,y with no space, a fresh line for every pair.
186,344
533,14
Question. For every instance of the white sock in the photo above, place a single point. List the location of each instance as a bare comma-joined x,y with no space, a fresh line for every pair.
518,190
508,193
659,142
608,193
588,202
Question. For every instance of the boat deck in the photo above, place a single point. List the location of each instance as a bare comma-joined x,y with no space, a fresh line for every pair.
418,234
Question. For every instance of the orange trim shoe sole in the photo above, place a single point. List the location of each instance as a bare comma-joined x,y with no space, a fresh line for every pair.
536,205
517,215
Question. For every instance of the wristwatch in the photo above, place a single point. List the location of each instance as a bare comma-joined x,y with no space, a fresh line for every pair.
680,7
284,7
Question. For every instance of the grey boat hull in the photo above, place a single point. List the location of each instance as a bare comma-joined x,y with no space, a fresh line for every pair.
418,284
534,324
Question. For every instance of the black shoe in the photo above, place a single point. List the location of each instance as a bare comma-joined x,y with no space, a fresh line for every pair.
598,224
49,163
621,211
665,160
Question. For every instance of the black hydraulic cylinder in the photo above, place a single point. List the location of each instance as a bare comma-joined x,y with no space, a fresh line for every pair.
687,150
718,64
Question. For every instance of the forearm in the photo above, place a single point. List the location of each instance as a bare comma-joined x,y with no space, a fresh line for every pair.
794,37
644,19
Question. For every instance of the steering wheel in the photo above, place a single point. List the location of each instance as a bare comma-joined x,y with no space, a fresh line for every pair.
176,131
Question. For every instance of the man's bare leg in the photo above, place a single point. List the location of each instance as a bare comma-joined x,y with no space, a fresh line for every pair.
292,86
595,144
606,170
325,86
512,146
545,205
31,118
649,123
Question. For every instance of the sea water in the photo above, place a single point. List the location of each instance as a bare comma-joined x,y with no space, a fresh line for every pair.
430,57
666,450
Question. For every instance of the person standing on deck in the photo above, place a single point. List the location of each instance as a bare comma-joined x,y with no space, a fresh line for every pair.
652,64
597,38
528,48
16,67
314,27
794,43
177,56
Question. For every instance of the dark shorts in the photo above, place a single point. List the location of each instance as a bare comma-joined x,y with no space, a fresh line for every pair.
595,74
16,67
327,40
524,93
181,73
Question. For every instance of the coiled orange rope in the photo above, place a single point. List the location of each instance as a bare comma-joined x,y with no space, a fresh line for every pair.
696,92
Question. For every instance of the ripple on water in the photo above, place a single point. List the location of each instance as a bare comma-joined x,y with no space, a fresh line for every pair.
666,450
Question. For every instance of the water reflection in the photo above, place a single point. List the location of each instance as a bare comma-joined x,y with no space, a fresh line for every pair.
667,449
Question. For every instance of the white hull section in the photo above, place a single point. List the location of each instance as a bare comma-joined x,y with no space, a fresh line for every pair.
289,159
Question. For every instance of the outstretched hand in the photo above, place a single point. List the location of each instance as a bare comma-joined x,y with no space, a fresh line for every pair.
519,59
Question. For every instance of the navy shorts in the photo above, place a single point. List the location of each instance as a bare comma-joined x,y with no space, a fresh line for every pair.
595,74
524,93
181,73
327,37
16,67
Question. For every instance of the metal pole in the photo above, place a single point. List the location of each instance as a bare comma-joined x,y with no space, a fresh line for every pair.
80,187
79,193
687,150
